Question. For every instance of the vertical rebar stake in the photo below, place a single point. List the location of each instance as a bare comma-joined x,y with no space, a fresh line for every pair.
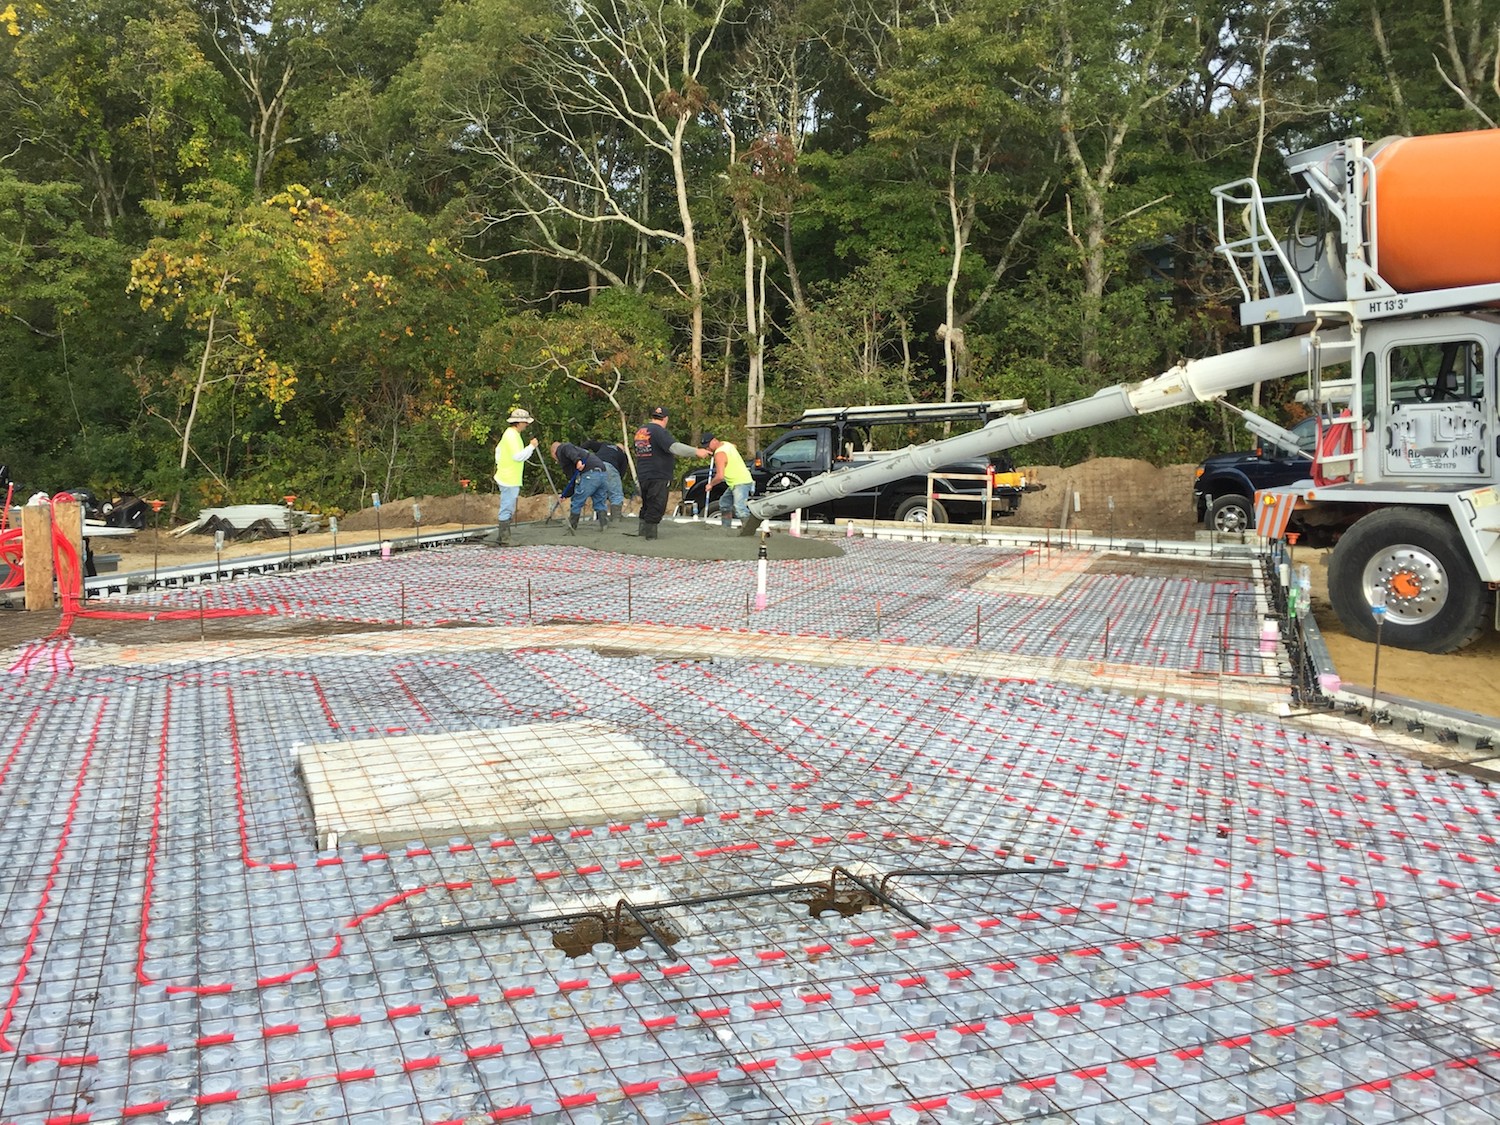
530,616
1377,608
1106,636
977,611
202,635
630,599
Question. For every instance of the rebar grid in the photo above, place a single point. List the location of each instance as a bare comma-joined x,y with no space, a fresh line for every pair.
1252,917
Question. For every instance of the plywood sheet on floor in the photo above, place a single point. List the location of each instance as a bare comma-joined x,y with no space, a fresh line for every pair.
474,783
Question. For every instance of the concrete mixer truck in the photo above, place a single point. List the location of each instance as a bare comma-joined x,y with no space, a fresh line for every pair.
1386,263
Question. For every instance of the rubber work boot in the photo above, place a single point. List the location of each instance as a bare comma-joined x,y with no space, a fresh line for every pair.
617,511
504,530
648,531
603,519
724,518
573,521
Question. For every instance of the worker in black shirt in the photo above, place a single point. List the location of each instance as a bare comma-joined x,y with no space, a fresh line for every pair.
587,483
616,466
656,453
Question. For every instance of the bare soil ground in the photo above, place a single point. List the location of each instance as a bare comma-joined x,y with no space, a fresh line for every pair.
1108,496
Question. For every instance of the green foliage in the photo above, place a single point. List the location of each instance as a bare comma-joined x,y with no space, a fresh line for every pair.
370,333
855,347
587,371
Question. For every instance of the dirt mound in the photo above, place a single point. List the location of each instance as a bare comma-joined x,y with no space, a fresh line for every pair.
467,508
1148,501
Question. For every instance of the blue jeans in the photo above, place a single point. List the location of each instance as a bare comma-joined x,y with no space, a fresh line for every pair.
616,486
591,485
735,500
508,495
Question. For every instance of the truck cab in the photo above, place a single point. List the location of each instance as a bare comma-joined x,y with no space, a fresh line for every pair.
1225,484
1404,484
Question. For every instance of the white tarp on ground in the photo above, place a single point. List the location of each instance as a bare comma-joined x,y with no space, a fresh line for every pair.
270,518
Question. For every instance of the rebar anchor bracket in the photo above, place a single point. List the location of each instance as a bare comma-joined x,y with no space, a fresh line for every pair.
505,924
609,927
875,892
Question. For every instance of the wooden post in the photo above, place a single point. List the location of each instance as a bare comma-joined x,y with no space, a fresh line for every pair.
36,554
69,517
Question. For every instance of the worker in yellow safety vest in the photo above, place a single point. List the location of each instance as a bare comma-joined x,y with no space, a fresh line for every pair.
729,467
510,455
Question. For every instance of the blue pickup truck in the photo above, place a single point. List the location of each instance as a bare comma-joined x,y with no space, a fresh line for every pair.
1225,485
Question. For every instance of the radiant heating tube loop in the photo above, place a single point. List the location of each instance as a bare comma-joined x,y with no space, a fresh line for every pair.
923,603
1281,853
974,1028
917,983
14,997
153,806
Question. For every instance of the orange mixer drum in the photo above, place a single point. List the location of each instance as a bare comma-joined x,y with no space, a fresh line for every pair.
1437,208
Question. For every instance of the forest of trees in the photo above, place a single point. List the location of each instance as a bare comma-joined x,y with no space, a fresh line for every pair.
259,247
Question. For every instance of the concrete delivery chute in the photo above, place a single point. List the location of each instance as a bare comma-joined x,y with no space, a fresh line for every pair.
1388,262
1197,380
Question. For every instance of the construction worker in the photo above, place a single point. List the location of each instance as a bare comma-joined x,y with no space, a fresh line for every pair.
616,465
656,453
510,458
729,467
588,482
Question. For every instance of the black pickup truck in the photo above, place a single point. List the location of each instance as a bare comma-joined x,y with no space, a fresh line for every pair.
829,439
1225,484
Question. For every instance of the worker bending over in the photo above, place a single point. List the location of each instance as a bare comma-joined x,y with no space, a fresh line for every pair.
588,482
729,467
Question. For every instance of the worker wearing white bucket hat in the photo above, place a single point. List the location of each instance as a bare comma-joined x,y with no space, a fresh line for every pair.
510,458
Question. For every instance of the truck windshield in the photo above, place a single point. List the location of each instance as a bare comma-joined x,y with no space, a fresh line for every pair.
795,451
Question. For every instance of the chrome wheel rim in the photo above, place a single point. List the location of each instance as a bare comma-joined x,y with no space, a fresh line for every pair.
1231,518
1415,583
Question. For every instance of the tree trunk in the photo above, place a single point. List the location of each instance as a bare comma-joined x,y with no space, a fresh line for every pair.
754,332
187,427
960,224
801,314
695,273
1094,277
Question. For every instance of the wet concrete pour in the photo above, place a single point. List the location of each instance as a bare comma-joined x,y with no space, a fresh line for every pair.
686,539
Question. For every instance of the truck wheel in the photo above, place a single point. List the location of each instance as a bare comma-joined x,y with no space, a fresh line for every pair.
1434,600
1229,515
914,510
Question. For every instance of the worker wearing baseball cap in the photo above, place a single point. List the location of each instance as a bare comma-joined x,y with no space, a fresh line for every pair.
729,467
510,458
656,453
